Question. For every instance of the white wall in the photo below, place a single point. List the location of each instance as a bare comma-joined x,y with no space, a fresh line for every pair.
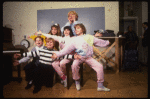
22,16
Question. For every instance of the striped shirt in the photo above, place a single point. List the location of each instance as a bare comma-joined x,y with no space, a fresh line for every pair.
45,56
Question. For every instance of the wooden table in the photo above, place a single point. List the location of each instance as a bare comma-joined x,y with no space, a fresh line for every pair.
118,43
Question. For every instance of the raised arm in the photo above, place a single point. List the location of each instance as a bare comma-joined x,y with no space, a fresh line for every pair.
100,42
26,56
66,50
30,54
55,37
24,59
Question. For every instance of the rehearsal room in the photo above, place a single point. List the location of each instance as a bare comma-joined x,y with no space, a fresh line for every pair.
75,49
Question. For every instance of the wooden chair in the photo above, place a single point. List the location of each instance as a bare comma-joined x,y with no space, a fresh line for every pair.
102,54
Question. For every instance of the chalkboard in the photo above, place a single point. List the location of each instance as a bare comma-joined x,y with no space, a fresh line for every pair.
93,18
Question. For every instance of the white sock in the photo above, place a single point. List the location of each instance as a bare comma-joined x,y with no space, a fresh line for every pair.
65,82
78,87
100,85
77,82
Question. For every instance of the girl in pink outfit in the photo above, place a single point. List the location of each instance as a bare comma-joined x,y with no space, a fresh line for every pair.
66,39
83,46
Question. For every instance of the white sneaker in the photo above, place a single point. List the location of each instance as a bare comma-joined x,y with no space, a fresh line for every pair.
103,89
78,87
65,82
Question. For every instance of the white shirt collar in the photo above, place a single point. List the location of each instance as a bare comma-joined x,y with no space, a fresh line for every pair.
39,47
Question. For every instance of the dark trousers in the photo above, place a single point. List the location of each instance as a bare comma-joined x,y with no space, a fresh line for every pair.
29,68
43,75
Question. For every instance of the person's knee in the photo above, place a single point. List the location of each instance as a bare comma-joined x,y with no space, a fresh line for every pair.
73,66
99,68
62,64
54,64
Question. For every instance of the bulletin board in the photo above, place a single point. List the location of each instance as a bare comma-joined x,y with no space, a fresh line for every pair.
93,18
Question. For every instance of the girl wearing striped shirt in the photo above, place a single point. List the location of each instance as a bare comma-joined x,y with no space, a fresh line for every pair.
46,65
66,39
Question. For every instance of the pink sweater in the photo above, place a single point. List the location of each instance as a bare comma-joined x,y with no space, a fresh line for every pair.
82,47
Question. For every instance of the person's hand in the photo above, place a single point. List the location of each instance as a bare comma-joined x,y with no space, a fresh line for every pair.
98,35
15,63
38,33
28,37
35,33
109,43
73,18
17,55
54,56
76,56
70,20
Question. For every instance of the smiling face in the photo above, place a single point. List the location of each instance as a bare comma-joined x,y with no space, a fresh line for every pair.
49,44
78,30
66,32
38,42
72,15
54,30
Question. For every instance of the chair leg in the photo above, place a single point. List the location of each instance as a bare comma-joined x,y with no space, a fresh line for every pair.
81,74
67,70
56,77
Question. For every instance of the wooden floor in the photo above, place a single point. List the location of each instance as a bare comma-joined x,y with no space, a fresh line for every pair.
128,84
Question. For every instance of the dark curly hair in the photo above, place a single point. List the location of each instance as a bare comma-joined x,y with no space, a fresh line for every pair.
69,28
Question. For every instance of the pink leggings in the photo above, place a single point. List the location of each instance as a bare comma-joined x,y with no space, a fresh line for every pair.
57,68
60,67
92,63
76,67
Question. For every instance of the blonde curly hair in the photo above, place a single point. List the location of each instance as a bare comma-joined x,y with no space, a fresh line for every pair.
73,12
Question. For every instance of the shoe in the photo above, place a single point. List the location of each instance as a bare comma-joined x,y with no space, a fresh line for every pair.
65,82
36,90
103,89
78,87
28,86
